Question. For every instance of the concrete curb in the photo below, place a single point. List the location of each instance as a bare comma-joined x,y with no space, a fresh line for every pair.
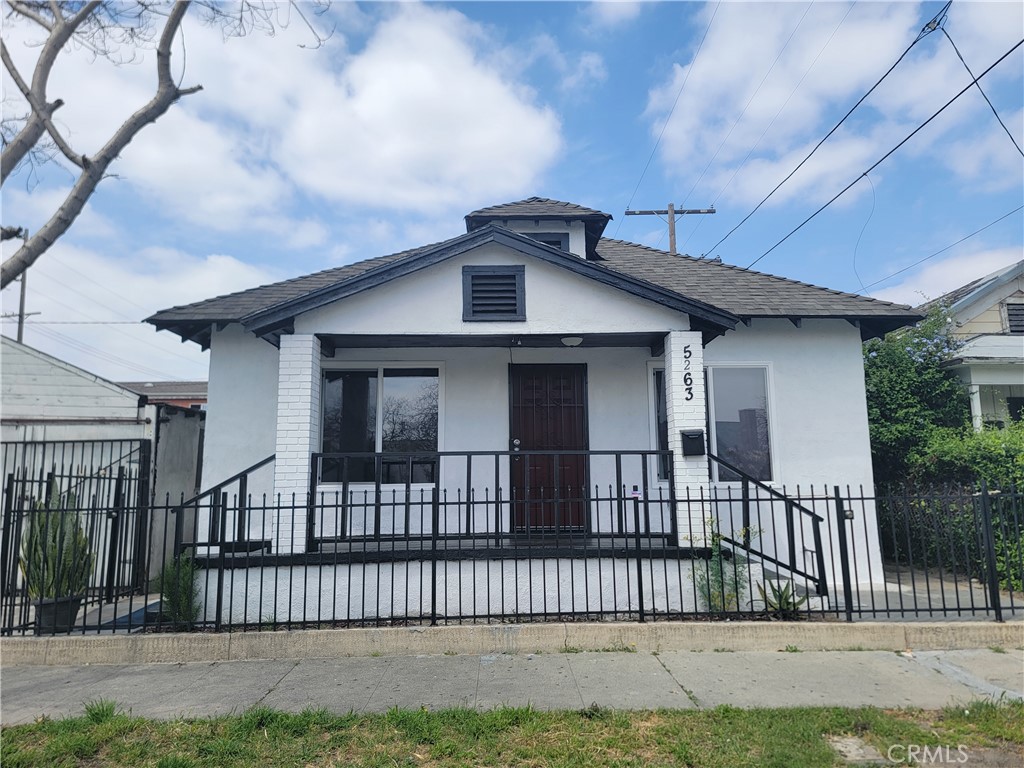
506,638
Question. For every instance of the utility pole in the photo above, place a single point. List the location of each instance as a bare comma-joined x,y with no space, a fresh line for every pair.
671,212
21,309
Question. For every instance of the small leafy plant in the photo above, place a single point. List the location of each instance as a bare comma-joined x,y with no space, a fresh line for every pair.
720,581
56,559
783,602
179,596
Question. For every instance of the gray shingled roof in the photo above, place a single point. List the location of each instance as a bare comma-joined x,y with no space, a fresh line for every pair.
742,292
536,207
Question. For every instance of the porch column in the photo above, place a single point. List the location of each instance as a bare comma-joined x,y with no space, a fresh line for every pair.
298,436
685,408
974,393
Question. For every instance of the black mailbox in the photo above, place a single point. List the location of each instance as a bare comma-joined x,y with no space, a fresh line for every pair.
693,442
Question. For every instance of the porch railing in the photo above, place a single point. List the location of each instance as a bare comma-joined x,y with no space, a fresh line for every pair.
501,496
761,508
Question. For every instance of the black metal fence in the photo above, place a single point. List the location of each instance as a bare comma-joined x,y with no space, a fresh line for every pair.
440,552
53,490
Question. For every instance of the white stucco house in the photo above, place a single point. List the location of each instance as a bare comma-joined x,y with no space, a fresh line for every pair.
525,380
988,314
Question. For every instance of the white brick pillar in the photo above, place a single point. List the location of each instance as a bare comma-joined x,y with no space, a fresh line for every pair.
298,436
686,409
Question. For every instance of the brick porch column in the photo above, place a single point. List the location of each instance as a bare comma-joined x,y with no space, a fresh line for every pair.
298,436
685,408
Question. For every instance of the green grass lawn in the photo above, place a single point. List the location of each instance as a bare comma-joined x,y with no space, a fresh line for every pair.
788,738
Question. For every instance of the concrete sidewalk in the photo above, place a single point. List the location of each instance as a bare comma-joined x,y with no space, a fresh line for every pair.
620,680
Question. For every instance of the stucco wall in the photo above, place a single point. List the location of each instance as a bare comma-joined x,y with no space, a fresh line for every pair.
241,417
464,589
430,301
817,403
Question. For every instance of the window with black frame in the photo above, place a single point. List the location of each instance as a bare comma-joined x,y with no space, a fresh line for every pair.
380,411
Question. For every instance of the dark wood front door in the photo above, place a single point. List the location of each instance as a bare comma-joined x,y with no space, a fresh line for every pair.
549,413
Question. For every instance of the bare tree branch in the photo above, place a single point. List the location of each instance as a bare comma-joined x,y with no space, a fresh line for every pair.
44,111
166,94
32,131
9,233
24,9
117,30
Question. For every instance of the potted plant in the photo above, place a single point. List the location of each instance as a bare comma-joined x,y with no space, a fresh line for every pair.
56,562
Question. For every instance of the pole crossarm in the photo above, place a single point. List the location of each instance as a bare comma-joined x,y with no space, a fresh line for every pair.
671,212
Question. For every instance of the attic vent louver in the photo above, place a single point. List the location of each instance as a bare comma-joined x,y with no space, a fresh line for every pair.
493,293
1015,318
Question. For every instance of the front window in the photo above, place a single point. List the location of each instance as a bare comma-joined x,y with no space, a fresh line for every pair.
383,411
739,420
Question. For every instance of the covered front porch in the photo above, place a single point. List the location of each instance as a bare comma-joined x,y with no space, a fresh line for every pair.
534,438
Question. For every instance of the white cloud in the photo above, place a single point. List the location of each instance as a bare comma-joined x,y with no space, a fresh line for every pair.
941,277
78,285
812,84
613,13
33,209
419,118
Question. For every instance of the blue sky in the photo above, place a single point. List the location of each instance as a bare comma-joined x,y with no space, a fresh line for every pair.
411,115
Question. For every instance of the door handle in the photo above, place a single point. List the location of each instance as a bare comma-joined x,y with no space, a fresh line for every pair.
515,445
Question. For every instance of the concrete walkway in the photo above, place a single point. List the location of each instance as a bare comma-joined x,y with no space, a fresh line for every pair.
620,680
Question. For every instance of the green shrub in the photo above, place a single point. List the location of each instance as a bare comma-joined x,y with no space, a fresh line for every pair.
940,527
910,393
965,456
56,559
179,595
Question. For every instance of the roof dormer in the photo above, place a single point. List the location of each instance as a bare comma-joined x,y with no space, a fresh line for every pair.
566,226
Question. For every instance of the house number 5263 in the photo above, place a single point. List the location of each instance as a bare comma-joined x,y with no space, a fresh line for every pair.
687,377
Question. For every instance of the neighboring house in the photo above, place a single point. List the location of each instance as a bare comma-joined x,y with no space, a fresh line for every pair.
90,439
184,394
529,368
988,314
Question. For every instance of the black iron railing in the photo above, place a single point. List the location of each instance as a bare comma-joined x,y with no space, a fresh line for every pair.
498,495
100,487
437,553
762,509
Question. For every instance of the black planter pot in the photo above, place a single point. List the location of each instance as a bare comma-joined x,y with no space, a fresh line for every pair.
56,615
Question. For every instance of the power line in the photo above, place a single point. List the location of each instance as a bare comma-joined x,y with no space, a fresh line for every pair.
942,250
856,246
670,113
928,28
74,322
887,154
775,117
97,282
81,346
747,105
94,321
982,92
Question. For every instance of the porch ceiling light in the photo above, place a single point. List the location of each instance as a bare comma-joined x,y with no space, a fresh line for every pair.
572,341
